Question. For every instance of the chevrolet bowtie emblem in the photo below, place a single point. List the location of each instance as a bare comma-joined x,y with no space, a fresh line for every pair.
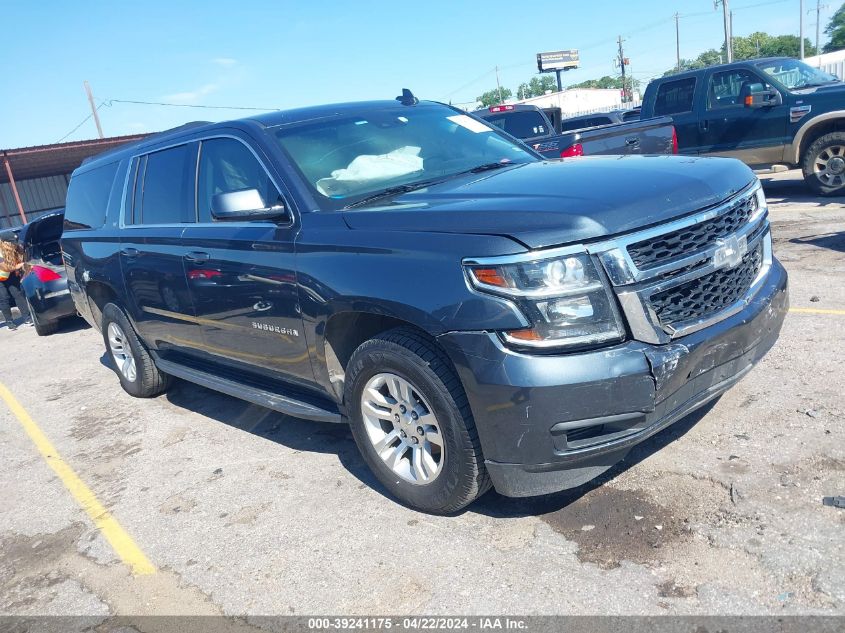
729,251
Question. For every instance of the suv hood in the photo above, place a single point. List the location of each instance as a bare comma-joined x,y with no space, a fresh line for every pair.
550,203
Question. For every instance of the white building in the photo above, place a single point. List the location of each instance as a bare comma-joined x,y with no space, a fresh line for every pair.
580,100
833,63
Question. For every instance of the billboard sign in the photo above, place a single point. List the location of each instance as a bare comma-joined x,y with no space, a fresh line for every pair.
557,60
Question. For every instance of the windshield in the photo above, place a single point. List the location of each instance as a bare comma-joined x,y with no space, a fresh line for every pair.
794,74
344,159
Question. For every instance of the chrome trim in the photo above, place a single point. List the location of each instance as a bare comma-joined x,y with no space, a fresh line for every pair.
644,322
634,287
623,271
146,151
528,256
56,293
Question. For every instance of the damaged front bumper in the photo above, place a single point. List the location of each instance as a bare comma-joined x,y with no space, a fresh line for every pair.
547,423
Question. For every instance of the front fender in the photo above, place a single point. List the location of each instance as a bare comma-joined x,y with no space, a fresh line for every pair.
793,150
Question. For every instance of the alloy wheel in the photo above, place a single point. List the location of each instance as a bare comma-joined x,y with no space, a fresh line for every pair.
121,352
403,429
829,166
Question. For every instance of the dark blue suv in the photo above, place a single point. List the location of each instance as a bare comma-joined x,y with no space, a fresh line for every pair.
480,316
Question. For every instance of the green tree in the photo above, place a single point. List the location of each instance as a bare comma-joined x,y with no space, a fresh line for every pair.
836,30
494,96
764,45
536,87
605,82
709,57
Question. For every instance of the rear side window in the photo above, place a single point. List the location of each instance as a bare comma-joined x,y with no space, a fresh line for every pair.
228,165
520,124
164,188
579,124
88,198
674,97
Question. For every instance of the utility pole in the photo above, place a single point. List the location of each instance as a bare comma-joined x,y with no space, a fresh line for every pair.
622,66
731,31
728,35
677,42
498,85
801,26
94,109
819,7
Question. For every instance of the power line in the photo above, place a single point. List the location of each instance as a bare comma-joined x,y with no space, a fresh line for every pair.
612,40
109,102
83,122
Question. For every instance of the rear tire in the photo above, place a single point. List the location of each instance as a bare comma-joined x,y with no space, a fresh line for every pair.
130,359
824,165
42,328
455,476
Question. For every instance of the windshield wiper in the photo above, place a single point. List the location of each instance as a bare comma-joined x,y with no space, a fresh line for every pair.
395,191
817,84
487,167
391,191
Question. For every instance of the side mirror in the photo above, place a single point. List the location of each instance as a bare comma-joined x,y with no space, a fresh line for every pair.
243,206
758,96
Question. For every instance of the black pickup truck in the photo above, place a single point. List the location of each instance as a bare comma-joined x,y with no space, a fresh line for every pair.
480,316
531,125
765,112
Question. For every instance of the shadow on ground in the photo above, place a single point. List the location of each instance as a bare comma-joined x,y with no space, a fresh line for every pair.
304,435
795,191
832,241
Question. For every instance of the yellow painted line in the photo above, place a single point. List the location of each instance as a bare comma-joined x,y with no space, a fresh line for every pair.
121,542
816,311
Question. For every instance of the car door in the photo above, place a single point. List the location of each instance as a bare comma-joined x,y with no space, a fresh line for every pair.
160,203
756,136
241,273
676,98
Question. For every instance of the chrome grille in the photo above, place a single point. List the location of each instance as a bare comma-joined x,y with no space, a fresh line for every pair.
680,277
649,253
705,296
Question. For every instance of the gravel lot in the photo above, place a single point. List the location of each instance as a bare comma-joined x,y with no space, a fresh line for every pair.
244,511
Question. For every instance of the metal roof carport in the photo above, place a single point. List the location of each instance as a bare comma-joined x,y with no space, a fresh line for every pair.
34,180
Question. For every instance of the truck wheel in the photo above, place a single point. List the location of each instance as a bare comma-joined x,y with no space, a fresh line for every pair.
412,422
824,165
131,361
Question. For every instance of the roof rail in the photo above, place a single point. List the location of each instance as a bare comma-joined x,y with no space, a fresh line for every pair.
149,137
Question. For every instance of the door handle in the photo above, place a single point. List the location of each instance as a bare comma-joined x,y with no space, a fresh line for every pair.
632,141
197,257
128,251
703,125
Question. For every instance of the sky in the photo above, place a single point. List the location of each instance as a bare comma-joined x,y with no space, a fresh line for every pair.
284,54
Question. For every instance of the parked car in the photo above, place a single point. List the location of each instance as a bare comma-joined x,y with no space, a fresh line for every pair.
531,125
765,112
45,283
478,315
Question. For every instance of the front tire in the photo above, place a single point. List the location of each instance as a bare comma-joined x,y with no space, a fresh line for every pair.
411,420
824,165
130,359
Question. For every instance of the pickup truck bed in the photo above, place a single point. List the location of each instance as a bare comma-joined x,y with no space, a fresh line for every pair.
530,124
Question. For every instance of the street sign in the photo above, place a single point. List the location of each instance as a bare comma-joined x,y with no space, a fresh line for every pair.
557,60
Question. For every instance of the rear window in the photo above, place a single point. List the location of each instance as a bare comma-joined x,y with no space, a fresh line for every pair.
674,97
580,124
525,124
88,198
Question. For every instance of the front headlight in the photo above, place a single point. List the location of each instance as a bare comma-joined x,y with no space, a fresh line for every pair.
564,297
